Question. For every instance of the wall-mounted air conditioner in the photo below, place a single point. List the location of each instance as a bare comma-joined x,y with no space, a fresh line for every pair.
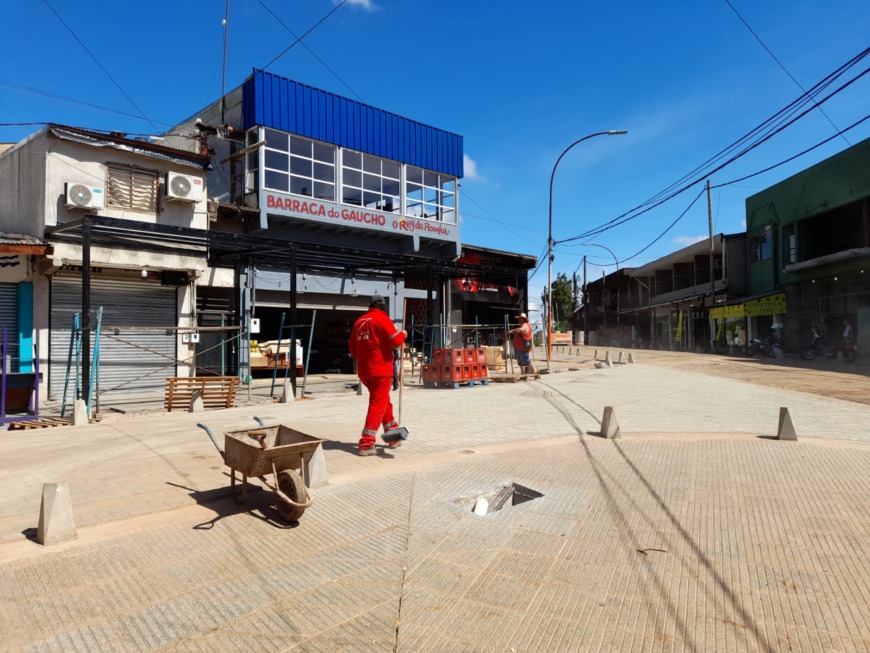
84,196
183,188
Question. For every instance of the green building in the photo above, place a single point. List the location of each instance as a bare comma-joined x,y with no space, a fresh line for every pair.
809,237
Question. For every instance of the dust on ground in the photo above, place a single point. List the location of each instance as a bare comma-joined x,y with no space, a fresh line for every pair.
828,378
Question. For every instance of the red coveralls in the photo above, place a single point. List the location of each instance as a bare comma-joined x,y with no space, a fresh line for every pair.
371,343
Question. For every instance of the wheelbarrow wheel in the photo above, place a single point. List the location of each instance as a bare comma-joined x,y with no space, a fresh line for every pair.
291,484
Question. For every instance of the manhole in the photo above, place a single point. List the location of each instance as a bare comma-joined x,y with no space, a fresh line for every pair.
504,496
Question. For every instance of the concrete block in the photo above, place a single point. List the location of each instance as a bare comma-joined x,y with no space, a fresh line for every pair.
80,412
609,426
786,428
607,361
287,392
630,357
315,469
595,357
56,523
619,360
196,405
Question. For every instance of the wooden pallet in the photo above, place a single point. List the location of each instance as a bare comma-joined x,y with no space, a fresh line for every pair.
42,423
513,378
216,391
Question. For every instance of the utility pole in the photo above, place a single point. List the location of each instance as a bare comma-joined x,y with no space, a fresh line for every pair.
585,307
712,268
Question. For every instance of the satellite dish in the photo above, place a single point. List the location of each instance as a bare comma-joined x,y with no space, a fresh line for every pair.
79,195
180,186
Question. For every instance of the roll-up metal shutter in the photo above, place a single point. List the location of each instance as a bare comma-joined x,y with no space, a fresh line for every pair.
9,311
131,360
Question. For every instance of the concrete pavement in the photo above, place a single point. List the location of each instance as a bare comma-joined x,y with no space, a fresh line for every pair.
696,531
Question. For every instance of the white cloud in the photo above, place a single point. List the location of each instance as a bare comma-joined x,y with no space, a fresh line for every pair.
366,5
685,241
470,167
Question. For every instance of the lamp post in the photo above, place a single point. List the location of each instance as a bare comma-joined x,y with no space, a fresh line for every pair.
616,262
552,243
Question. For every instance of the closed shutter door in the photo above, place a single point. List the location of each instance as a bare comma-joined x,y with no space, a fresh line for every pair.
131,360
9,312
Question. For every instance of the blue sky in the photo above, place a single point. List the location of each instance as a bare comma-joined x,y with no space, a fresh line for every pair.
520,81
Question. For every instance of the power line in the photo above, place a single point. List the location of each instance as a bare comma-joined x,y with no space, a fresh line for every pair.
781,65
129,99
299,38
785,118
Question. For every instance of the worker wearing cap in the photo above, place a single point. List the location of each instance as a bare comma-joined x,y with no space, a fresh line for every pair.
371,343
522,342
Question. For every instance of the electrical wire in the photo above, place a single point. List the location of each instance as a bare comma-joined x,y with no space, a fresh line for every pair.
299,39
781,65
97,61
789,119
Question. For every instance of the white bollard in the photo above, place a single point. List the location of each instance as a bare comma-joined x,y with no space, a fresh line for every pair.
56,523
786,428
609,426
196,405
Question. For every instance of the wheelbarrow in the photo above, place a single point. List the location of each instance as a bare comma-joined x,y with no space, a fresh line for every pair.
277,450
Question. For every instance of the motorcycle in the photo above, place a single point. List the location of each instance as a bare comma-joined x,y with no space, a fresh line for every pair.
819,346
768,346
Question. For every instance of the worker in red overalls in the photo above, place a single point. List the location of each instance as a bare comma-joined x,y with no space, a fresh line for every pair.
371,343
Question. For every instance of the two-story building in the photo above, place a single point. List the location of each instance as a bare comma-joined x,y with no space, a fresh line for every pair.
809,237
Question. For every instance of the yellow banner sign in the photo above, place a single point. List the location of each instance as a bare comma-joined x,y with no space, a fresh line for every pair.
770,305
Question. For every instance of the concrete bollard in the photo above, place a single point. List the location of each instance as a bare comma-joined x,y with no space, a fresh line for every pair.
595,357
609,426
630,357
196,404
56,522
786,428
619,360
287,392
607,361
80,412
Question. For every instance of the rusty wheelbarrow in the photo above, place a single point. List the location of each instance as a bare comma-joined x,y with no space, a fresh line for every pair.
275,450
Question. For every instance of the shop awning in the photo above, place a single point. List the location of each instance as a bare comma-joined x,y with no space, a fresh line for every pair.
771,304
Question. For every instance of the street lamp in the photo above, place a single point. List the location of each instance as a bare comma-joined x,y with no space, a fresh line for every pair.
616,262
552,243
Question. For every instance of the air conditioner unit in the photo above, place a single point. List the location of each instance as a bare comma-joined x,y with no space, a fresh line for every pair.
84,196
183,188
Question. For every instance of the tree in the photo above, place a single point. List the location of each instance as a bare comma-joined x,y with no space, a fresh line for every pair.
564,303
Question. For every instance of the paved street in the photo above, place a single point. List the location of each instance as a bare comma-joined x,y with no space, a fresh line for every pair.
697,531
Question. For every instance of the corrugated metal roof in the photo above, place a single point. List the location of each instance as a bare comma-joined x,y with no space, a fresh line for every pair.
280,103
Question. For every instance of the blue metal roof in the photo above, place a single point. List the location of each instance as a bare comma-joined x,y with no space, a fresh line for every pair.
280,103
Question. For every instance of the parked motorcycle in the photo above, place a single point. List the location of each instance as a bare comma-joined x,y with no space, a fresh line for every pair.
819,346
768,346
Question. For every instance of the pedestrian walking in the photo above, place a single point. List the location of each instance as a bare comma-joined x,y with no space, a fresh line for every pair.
372,340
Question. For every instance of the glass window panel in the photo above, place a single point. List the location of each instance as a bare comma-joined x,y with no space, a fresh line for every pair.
414,209
448,184
276,180
430,194
414,175
392,204
324,153
253,161
300,146
353,178
371,164
391,187
371,200
352,196
276,140
430,178
414,193
392,169
300,166
430,211
277,160
324,191
372,182
300,186
352,159
449,215
448,200
324,172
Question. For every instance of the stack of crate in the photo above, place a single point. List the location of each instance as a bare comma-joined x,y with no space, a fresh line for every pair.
452,368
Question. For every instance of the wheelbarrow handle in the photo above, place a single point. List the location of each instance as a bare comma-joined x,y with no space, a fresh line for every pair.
259,421
210,437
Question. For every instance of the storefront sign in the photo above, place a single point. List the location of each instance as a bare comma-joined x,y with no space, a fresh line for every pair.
770,305
330,213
